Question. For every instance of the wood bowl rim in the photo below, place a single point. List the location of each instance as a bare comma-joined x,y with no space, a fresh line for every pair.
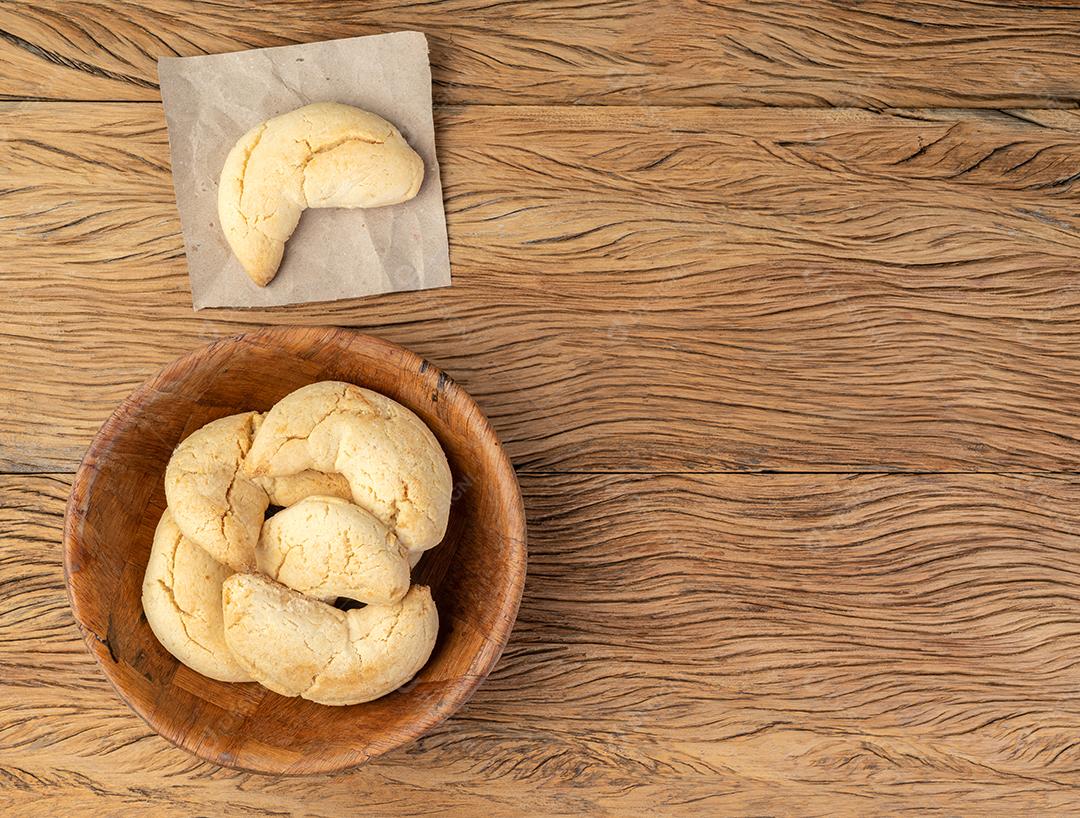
483,660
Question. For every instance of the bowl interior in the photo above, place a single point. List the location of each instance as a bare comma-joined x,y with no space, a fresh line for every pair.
476,574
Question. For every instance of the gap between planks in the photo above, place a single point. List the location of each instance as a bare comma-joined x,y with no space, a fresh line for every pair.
885,110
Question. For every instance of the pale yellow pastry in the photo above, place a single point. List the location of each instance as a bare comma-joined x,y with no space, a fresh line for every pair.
292,488
395,466
327,547
298,646
212,501
322,155
181,596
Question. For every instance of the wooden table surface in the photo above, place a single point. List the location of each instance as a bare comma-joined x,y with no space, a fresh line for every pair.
775,307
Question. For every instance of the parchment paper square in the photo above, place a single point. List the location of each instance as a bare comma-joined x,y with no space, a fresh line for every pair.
211,101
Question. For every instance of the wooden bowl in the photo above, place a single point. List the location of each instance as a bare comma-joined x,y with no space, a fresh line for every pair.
476,574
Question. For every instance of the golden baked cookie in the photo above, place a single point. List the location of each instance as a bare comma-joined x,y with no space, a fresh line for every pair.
181,595
213,502
322,155
327,547
395,466
290,489
298,646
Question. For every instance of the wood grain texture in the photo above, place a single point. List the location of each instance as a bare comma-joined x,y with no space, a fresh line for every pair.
638,288
686,645
634,289
975,53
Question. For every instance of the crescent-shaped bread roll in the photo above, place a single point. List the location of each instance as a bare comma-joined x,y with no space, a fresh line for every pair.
327,547
292,488
395,466
298,646
213,502
322,155
181,595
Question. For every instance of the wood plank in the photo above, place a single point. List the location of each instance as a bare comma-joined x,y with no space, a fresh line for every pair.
687,645
635,290
977,53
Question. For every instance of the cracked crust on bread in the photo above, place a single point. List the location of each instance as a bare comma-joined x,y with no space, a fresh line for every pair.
298,646
322,155
181,596
213,502
326,547
394,465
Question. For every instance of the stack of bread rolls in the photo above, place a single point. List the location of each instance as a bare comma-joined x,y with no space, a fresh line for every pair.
364,489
